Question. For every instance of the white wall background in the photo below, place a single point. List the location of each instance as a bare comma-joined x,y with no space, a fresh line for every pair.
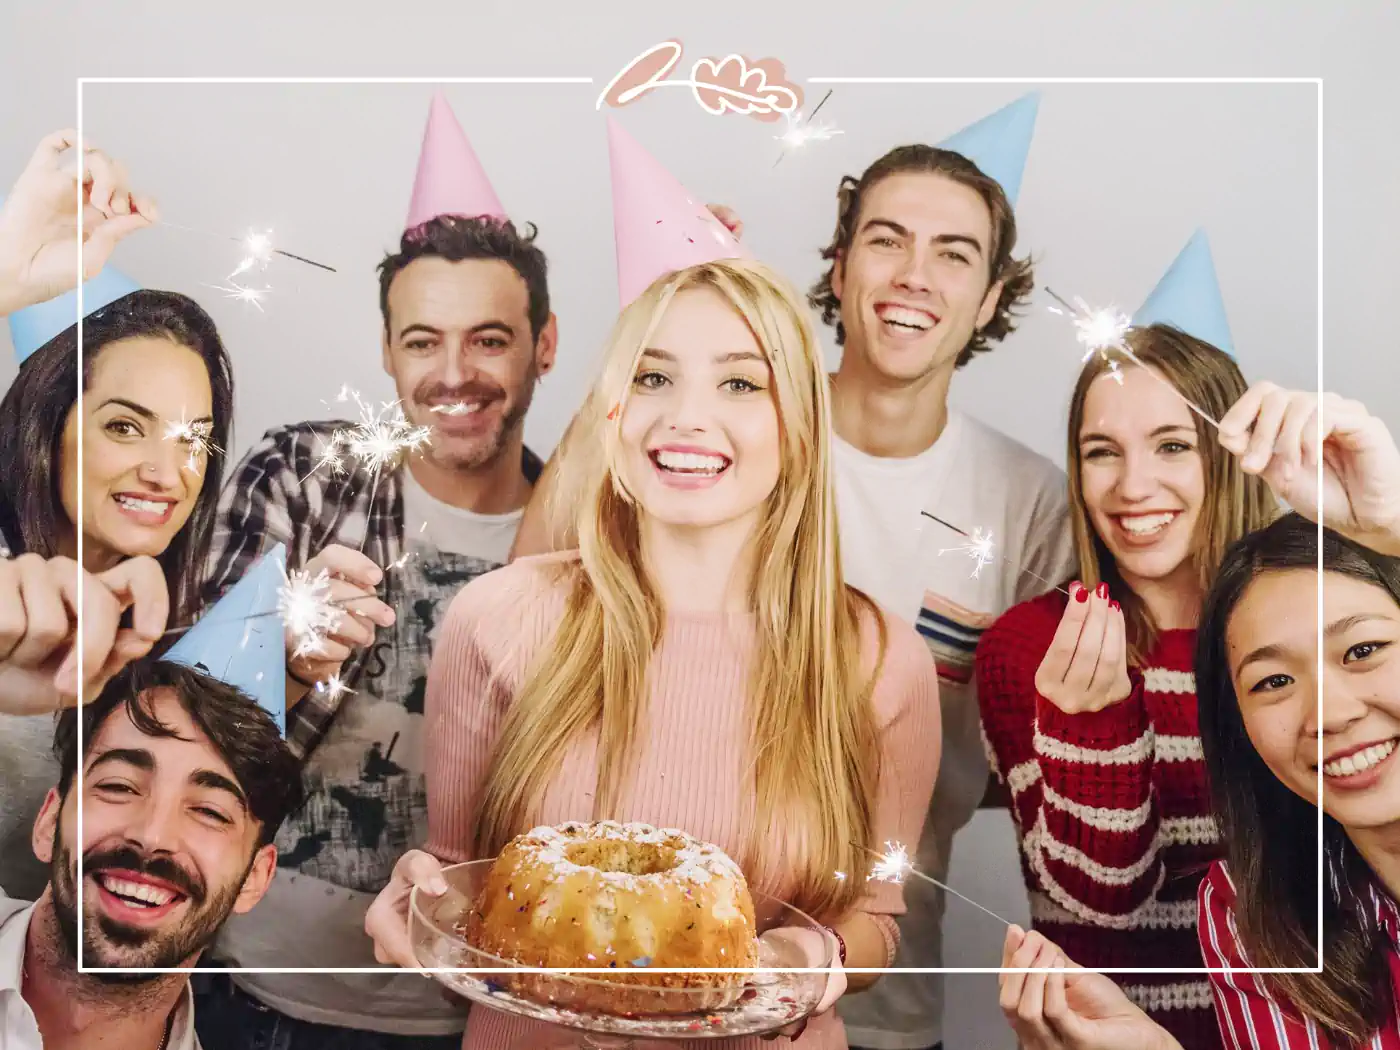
1117,179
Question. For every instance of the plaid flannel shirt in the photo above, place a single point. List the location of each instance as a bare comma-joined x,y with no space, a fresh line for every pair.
276,495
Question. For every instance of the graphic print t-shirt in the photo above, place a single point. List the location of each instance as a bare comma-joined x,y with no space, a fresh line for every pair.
973,477
366,801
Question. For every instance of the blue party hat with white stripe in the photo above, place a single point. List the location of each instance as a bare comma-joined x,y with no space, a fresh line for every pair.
999,144
240,641
1188,297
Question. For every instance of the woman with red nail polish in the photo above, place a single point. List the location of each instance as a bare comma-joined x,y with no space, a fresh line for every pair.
1088,699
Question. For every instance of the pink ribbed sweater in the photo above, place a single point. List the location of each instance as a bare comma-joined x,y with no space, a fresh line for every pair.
689,770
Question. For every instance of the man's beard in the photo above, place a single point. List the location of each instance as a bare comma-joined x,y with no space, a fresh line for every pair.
481,451
107,943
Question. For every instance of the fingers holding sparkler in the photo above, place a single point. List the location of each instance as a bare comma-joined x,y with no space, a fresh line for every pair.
331,609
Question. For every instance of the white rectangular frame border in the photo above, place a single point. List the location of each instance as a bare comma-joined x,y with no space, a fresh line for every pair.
1316,81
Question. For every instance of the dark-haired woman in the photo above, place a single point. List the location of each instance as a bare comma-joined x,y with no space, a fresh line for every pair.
157,396
1259,675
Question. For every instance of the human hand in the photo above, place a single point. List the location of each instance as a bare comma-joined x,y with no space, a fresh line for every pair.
1081,1010
818,950
1086,666
39,612
386,922
39,221
353,579
729,218
1274,432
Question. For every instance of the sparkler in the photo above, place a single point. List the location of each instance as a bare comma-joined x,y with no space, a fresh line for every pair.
1100,331
979,547
306,606
377,441
257,247
334,688
895,866
801,130
196,436
242,293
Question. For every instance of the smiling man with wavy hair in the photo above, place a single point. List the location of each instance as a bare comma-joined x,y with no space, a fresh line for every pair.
923,277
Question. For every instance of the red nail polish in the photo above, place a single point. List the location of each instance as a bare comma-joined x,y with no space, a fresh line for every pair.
1101,590
1082,594
612,414
1115,606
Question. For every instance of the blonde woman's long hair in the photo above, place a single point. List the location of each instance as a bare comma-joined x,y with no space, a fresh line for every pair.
814,755
1235,503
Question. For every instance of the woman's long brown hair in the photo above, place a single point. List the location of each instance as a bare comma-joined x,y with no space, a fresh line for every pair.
1235,503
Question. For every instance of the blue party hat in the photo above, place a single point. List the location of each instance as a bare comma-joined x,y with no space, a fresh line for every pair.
1188,297
999,143
240,640
35,325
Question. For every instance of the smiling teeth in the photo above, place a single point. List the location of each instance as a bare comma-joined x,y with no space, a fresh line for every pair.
145,505
458,408
1359,762
1145,524
139,891
691,462
907,318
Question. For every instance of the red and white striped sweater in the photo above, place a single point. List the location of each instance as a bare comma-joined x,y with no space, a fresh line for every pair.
1112,811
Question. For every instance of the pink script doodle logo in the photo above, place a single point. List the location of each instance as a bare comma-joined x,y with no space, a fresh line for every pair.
732,84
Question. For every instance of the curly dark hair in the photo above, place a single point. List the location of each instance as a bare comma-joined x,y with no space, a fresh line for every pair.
454,238
243,734
930,160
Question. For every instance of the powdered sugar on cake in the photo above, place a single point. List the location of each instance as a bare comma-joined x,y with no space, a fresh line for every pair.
696,862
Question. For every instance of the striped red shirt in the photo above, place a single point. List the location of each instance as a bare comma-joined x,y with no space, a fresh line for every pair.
1250,1017
1112,813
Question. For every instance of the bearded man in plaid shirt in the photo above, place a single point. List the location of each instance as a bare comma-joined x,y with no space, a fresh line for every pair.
467,334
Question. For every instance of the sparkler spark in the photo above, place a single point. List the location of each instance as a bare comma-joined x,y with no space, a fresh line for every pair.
196,436
895,866
257,249
978,547
1100,331
457,408
802,129
305,604
334,688
242,293
376,442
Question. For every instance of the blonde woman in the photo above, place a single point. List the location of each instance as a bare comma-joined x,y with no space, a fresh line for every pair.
697,663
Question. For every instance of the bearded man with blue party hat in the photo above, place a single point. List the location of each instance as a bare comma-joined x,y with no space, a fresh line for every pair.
185,778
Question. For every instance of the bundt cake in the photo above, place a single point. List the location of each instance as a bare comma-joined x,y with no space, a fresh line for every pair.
624,898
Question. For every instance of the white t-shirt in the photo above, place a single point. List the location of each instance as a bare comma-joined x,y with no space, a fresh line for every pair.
973,477
454,530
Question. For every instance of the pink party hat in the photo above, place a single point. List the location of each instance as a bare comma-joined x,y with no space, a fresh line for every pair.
659,225
450,179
